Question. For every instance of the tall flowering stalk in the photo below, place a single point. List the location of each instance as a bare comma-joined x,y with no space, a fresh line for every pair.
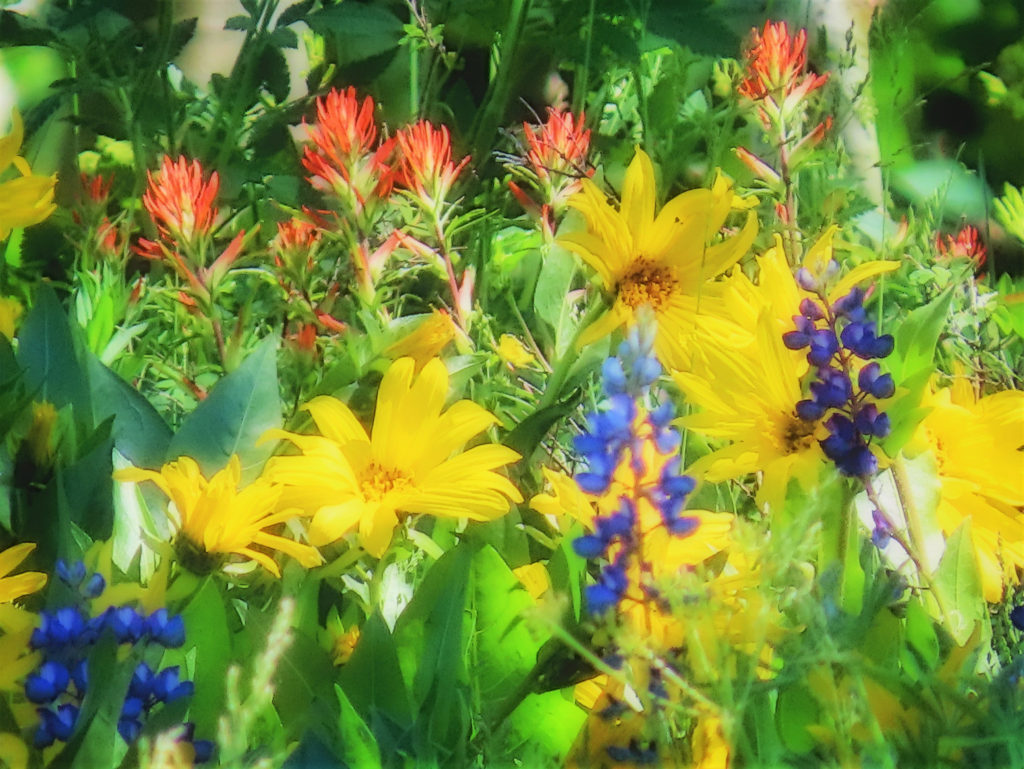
346,160
180,199
426,175
777,83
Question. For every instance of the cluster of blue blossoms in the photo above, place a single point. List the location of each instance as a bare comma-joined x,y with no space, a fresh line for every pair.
854,420
65,637
613,432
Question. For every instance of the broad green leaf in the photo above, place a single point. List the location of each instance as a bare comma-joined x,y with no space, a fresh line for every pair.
921,638
240,408
543,728
359,31
795,711
372,678
958,585
359,748
431,639
46,352
206,631
917,336
550,300
139,432
504,648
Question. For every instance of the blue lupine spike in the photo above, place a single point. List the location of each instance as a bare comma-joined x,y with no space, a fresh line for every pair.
166,630
129,729
662,415
71,576
613,376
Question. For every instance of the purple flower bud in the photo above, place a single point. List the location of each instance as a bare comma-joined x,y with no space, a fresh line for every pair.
589,546
809,410
613,376
49,681
823,347
806,280
811,309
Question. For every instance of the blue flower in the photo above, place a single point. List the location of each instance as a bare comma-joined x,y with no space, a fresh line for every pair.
47,682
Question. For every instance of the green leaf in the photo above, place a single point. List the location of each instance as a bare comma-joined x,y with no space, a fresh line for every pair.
543,728
431,640
294,13
505,648
359,31
96,742
795,711
958,585
960,192
240,408
921,638
46,352
140,433
528,434
359,748
240,23
549,300
917,336
206,631
372,679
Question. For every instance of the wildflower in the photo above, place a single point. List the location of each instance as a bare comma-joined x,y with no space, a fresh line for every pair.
630,466
977,444
411,462
181,202
344,156
514,352
10,312
555,162
25,200
776,67
967,244
96,188
426,169
426,340
215,518
296,245
661,262
854,419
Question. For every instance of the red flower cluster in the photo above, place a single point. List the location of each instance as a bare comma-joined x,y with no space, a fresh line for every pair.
966,244
776,64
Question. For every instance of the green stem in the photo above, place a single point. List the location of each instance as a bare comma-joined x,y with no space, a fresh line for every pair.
565,363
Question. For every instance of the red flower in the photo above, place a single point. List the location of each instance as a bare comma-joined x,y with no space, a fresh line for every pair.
776,64
426,167
343,156
559,146
295,243
96,188
180,201
966,245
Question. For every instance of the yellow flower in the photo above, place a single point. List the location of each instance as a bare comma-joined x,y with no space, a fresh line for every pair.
25,200
12,588
748,397
566,503
214,518
977,444
426,341
10,312
411,464
663,262
514,352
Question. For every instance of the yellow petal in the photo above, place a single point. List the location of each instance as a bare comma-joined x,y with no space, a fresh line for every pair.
638,194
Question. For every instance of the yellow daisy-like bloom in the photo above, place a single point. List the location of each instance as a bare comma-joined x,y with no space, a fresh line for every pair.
25,200
748,397
215,518
977,444
411,463
661,261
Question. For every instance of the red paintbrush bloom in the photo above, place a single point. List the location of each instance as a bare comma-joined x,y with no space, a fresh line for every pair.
966,245
426,168
343,156
296,241
559,146
776,64
181,202
96,188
